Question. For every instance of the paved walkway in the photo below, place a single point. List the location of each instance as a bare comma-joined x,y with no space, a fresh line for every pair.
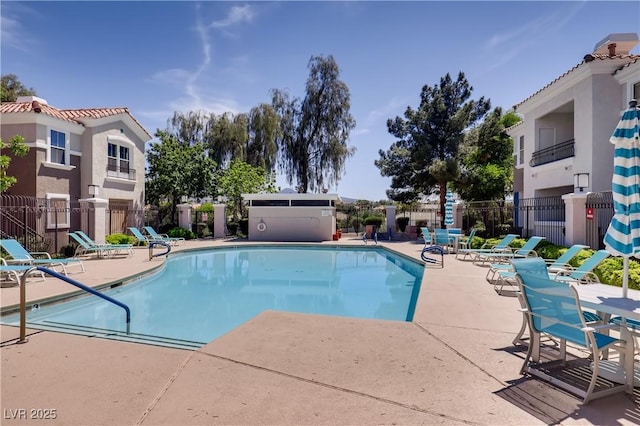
454,364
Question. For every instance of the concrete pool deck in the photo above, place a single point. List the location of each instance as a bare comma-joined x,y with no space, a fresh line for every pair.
454,364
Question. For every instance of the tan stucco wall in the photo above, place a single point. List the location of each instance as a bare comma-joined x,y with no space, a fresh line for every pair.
292,223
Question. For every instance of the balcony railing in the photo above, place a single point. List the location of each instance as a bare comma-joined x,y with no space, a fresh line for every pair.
121,172
553,153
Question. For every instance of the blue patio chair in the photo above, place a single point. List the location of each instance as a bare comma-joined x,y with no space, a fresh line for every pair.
553,308
142,239
501,246
464,243
426,236
527,250
18,255
442,238
154,236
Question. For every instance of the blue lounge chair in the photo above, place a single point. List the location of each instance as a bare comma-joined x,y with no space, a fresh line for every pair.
108,246
583,274
18,255
442,238
426,236
553,308
100,250
501,246
505,271
142,239
10,275
527,250
154,236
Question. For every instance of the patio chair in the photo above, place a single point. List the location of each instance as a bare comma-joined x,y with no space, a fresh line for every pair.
18,255
464,243
108,246
154,236
142,239
442,238
426,236
501,246
537,266
554,308
583,274
527,250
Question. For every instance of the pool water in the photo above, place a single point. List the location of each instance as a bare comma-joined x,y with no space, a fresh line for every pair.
201,295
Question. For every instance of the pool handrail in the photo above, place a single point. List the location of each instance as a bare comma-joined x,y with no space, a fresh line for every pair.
23,298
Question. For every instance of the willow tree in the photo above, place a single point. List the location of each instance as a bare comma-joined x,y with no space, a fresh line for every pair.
314,131
424,158
262,148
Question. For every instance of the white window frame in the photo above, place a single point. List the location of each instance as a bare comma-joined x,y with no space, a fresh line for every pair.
51,215
120,143
521,150
635,91
67,151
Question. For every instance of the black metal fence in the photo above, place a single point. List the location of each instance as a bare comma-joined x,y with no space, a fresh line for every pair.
42,226
599,212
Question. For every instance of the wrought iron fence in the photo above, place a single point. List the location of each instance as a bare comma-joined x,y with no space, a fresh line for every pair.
492,219
543,216
599,212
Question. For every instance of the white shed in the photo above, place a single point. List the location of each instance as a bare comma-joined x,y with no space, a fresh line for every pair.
291,217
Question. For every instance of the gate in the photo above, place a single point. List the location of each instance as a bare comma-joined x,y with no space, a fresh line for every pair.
543,216
600,210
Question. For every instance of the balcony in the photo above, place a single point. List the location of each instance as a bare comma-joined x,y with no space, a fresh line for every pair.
553,153
121,172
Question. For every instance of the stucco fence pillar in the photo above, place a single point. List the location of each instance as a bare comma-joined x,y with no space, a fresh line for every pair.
391,220
184,216
95,221
219,220
575,222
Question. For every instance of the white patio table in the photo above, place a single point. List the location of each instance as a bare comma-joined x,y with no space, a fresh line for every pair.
607,300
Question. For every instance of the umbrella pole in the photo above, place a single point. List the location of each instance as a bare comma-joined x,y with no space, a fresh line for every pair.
625,275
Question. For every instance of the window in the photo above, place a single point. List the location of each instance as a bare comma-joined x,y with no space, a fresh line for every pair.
119,160
636,91
58,147
58,211
521,150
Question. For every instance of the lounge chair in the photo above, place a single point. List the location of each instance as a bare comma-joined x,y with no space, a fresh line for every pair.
527,250
553,308
501,246
10,275
505,271
583,274
100,250
20,256
426,236
142,239
112,247
154,236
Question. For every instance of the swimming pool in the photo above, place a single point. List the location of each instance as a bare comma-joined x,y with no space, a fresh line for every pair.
200,295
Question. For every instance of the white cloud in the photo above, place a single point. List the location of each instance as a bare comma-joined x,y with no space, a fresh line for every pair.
12,32
196,95
237,15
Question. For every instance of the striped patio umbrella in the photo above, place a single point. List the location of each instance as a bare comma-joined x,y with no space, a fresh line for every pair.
623,235
448,209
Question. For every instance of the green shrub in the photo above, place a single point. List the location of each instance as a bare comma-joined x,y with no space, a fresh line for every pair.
206,207
181,233
120,239
374,220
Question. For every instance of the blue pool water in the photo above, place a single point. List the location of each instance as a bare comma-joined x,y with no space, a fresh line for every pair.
199,296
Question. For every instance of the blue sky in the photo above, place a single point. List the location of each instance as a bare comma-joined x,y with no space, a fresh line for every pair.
159,57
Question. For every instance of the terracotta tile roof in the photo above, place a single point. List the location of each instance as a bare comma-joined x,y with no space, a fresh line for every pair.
588,58
70,115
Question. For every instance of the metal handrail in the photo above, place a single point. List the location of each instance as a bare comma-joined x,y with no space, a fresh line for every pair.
23,298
